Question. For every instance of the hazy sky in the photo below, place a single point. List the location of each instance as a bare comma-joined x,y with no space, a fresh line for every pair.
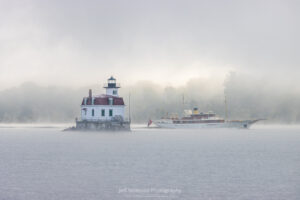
76,43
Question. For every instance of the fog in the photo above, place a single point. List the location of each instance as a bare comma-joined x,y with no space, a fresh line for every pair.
75,43
247,98
52,52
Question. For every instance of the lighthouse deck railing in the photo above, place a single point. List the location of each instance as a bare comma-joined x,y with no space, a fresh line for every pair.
107,85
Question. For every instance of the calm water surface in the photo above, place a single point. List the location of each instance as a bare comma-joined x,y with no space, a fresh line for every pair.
45,163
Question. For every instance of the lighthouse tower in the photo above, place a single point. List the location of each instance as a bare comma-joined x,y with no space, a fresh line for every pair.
112,87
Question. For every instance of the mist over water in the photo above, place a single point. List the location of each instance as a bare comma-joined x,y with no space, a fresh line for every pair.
248,97
52,52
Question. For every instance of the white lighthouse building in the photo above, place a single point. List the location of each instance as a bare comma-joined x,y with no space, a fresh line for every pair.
105,110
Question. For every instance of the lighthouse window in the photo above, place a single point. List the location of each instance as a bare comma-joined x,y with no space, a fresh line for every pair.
103,112
93,112
114,92
110,101
110,112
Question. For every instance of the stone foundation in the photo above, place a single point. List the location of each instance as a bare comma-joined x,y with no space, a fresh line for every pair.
103,125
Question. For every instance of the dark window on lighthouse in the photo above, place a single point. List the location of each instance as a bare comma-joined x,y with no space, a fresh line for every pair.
102,112
93,112
110,101
114,92
110,112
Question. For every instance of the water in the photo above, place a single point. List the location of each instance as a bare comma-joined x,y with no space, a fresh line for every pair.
45,163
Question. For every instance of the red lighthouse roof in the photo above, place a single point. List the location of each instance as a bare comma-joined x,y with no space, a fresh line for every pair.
103,100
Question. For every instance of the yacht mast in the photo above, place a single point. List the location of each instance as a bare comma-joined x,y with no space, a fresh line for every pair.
226,107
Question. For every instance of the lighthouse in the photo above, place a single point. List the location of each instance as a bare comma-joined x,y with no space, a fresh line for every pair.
104,111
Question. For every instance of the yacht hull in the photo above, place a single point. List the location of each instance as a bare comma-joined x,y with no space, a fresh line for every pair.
226,124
